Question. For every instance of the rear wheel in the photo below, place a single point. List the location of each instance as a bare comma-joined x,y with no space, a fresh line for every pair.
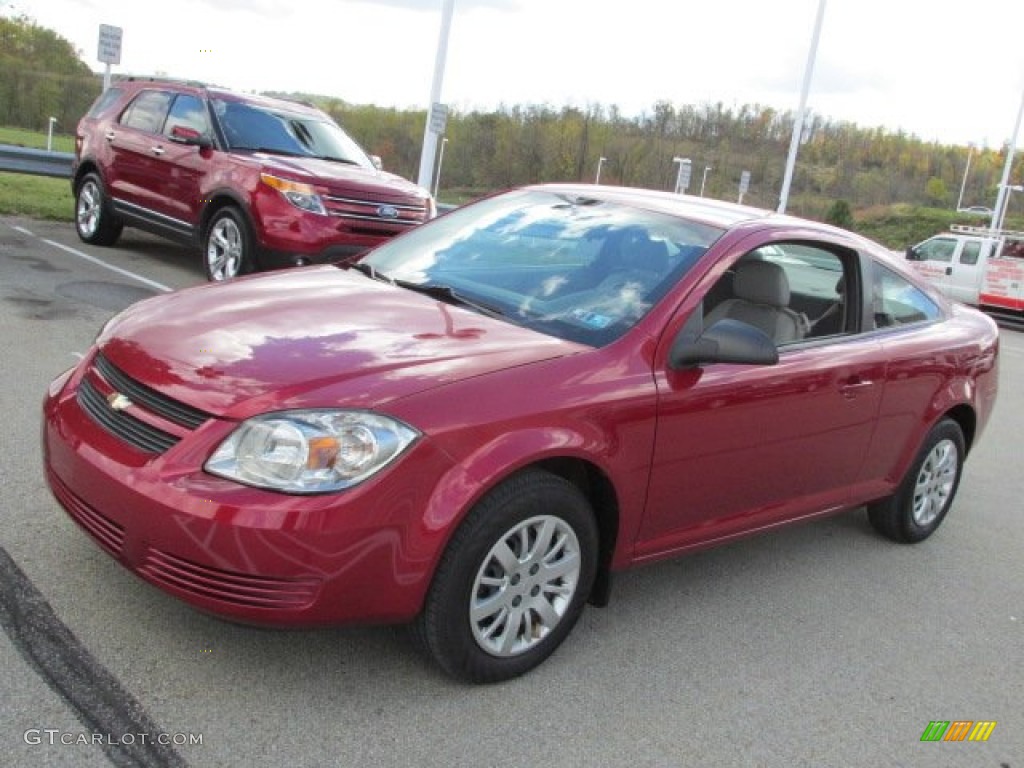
513,580
227,247
920,504
94,221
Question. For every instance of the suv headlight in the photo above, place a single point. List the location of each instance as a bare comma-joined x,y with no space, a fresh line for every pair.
300,195
315,451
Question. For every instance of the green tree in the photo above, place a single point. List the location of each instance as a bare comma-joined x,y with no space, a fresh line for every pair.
840,215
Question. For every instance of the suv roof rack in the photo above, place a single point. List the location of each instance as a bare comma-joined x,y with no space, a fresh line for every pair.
160,79
967,229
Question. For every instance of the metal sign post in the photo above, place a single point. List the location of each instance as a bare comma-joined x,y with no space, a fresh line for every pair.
109,49
744,185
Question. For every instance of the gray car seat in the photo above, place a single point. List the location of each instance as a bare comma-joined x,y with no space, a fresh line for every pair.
761,299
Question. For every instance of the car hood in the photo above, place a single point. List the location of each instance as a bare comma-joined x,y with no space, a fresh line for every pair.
343,175
314,337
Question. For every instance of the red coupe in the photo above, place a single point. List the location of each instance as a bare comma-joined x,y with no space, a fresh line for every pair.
472,427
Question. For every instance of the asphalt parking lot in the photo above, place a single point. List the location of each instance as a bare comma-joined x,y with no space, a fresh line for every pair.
819,645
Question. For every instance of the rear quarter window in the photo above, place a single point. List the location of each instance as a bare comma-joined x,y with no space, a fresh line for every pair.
897,301
105,101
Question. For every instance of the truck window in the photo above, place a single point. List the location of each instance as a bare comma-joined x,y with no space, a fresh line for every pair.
937,249
969,255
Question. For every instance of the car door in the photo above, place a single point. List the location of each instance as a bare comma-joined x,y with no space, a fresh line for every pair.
964,274
742,447
181,165
135,171
953,264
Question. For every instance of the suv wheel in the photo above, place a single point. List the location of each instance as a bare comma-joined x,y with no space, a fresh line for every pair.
93,219
227,249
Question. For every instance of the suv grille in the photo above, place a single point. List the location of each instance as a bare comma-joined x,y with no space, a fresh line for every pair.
396,216
142,435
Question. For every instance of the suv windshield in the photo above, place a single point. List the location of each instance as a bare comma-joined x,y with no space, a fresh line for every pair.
579,268
248,126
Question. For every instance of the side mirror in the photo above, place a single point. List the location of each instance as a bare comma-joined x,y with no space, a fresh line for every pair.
727,341
913,255
184,135
377,162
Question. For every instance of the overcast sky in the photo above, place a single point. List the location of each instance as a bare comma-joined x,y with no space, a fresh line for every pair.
955,76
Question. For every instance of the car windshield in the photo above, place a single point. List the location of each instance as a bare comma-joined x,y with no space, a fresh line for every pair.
277,131
579,268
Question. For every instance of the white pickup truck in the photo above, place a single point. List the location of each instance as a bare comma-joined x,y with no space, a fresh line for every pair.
976,266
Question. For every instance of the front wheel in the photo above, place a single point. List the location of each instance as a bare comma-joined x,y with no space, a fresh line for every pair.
513,580
227,247
922,500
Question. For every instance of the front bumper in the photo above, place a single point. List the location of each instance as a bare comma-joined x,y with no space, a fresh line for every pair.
240,552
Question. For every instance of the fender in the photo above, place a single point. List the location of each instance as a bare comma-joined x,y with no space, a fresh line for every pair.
473,476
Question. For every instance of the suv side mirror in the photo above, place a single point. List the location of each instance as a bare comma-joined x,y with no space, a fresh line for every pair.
913,255
727,341
182,134
377,162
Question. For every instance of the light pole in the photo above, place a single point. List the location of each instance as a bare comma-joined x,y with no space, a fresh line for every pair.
600,161
963,184
440,159
429,136
704,179
683,176
49,135
1004,183
798,123
1000,215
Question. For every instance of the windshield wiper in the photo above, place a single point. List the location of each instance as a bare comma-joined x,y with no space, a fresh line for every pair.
371,271
448,294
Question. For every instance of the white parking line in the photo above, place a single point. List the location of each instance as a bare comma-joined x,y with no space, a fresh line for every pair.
23,231
111,267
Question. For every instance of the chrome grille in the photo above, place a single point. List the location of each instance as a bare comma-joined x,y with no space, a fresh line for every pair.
362,210
178,413
130,429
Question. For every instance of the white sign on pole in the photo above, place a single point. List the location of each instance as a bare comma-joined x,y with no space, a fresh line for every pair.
438,118
744,182
110,44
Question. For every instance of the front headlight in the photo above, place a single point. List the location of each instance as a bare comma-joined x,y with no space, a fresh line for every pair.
300,195
310,451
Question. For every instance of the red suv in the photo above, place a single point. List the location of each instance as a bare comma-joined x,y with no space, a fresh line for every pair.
256,182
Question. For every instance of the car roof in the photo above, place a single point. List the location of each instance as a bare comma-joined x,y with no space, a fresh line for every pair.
141,82
718,213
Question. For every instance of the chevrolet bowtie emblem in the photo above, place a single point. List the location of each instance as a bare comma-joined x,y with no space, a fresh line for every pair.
118,402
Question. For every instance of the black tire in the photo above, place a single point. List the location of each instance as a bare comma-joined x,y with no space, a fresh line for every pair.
227,245
926,492
95,222
547,524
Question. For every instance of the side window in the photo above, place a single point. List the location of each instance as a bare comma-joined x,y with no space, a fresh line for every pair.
147,111
187,111
896,301
104,101
969,255
937,249
791,291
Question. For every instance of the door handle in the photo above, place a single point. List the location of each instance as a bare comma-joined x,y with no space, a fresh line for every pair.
851,387
949,270
109,135
157,150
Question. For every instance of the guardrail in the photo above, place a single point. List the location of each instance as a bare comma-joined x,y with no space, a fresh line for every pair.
37,162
